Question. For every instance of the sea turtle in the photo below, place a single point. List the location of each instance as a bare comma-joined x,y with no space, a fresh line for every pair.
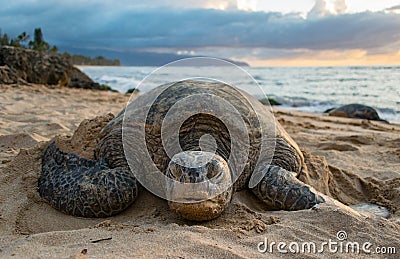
107,185
355,110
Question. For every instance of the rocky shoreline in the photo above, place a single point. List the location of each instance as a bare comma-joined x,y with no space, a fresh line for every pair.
25,66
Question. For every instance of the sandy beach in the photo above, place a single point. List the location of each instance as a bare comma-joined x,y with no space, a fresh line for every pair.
350,160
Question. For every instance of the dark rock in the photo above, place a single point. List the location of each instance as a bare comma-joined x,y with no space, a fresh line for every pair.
20,65
329,110
81,80
35,67
269,101
8,75
358,111
132,90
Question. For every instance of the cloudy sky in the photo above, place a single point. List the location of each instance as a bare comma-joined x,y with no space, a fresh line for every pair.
261,32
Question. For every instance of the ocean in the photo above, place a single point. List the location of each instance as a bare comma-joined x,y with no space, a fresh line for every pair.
310,89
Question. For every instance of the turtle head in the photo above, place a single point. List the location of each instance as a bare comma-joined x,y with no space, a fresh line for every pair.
201,188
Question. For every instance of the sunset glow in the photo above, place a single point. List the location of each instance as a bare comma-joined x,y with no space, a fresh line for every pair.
332,58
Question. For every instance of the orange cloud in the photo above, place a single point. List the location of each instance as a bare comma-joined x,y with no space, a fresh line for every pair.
331,58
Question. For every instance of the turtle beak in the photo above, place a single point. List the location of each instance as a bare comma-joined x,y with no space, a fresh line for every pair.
201,186
196,176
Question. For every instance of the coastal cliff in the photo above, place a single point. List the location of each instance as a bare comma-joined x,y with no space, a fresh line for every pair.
22,66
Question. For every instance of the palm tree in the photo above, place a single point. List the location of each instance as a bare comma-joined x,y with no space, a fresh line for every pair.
38,42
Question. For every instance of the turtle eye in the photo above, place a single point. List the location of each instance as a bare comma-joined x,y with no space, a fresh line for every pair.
213,169
174,172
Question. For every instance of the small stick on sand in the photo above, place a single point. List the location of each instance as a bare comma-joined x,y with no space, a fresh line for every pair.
102,239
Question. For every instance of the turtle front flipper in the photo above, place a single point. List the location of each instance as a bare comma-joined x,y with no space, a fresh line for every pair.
281,190
85,188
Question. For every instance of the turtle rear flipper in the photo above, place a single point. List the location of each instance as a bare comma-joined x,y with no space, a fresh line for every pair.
281,190
85,188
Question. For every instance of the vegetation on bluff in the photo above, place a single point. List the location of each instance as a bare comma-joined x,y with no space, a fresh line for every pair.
39,44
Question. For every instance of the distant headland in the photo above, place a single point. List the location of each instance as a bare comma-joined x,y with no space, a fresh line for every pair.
141,58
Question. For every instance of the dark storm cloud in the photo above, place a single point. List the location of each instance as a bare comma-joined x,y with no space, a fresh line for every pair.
92,25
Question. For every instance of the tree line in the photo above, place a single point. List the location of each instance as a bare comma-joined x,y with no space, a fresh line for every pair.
81,60
22,41
39,44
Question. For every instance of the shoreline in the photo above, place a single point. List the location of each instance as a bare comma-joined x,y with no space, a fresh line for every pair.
312,89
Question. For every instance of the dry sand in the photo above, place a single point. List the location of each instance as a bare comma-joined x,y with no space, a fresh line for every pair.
350,160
